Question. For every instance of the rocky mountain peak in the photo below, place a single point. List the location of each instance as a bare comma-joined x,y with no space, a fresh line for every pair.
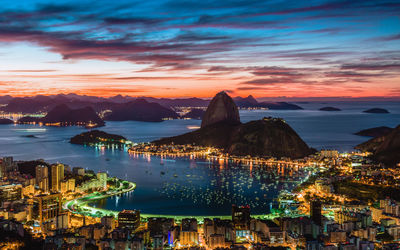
221,109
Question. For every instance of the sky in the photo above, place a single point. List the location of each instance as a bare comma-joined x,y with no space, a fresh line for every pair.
174,48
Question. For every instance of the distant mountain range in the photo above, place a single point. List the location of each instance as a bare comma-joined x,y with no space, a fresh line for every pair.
43,104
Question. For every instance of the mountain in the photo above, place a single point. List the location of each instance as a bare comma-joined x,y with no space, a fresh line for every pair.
221,128
385,148
65,116
376,111
330,109
62,115
249,101
195,114
178,102
6,121
5,99
222,108
279,106
97,136
141,110
375,132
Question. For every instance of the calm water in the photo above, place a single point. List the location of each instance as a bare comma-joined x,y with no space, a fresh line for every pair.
182,186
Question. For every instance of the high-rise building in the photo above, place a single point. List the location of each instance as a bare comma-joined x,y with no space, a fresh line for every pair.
241,217
102,177
316,211
41,173
129,219
57,175
7,164
48,209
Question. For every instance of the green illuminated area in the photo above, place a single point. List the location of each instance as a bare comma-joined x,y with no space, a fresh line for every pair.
81,206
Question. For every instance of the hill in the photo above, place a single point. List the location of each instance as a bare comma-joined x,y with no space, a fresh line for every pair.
141,110
97,136
375,132
221,128
385,149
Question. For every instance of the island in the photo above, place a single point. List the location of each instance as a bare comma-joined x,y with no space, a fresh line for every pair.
375,132
62,115
141,110
97,137
4,121
221,128
376,111
330,109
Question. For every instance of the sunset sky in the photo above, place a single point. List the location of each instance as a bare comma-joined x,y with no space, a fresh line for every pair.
196,48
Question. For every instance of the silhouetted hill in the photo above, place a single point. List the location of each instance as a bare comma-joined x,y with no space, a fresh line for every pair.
179,102
97,136
279,106
221,128
385,148
62,115
65,116
376,111
330,109
221,109
375,132
29,119
195,114
245,102
6,121
141,110
251,102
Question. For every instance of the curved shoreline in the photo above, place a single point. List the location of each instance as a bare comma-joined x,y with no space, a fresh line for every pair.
77,205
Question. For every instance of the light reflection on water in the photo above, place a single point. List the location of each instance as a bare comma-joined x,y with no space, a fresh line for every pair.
157,193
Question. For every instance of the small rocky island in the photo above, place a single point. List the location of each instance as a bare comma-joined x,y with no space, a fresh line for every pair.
330,109
97,137
376,111
375,132
4,121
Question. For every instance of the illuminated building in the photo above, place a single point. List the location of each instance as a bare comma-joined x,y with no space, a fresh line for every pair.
57,175
330,153
49,207
10,192
41,173
67,186
189,235
109,222
129,219
102,177
62,221
42,177
78,171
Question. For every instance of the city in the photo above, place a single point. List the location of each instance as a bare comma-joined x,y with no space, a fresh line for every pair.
200,125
